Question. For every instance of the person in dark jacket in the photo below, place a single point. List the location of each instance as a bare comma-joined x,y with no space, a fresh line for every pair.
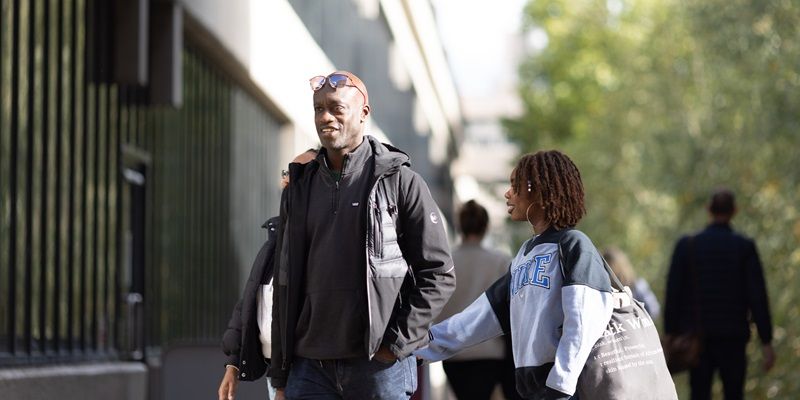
363,263
244,342
715,286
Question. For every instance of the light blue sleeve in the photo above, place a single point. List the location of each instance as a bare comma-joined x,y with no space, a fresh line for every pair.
476,324
586,315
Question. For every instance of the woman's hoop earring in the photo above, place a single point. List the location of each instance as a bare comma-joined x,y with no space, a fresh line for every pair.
528,218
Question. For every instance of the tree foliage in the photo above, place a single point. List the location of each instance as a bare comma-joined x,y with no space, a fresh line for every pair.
661,101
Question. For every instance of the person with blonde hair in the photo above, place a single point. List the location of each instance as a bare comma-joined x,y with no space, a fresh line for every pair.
640,289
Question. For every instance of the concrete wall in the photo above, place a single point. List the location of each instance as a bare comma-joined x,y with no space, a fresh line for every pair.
195,372
113,380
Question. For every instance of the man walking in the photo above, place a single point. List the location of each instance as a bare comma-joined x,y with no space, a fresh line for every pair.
716,287
363,263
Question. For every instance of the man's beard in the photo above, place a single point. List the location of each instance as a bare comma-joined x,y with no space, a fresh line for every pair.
339,142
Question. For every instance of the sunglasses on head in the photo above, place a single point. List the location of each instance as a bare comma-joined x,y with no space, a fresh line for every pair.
335,81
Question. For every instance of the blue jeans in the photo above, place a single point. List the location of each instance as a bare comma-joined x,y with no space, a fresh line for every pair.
351,379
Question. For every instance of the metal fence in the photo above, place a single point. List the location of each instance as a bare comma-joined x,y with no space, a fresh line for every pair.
116,230
58,180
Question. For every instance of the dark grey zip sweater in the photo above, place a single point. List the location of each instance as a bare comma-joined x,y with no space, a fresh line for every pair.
333,313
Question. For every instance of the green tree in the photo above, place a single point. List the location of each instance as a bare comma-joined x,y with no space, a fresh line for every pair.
658,102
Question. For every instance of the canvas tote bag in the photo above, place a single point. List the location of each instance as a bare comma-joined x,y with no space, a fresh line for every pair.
627,362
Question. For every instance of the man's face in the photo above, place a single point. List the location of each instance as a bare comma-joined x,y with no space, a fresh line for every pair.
339,114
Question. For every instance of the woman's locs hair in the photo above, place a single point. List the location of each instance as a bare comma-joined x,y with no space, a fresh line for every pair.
556,180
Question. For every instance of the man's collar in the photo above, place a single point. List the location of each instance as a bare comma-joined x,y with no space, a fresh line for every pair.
355,160
720,225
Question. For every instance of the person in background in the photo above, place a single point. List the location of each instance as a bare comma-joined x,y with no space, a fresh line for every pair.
245,339
640,289
725,264
474,373
303,158
555,301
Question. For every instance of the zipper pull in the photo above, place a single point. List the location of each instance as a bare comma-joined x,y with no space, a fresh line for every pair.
336,198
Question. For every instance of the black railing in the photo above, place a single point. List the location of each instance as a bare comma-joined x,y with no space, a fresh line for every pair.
57,249
95,260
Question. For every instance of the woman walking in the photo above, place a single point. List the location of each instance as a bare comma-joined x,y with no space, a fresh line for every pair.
555,300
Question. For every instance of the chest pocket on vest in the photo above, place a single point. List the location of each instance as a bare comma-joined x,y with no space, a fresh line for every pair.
387,257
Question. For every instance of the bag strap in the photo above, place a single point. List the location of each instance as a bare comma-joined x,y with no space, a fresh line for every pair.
614,279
